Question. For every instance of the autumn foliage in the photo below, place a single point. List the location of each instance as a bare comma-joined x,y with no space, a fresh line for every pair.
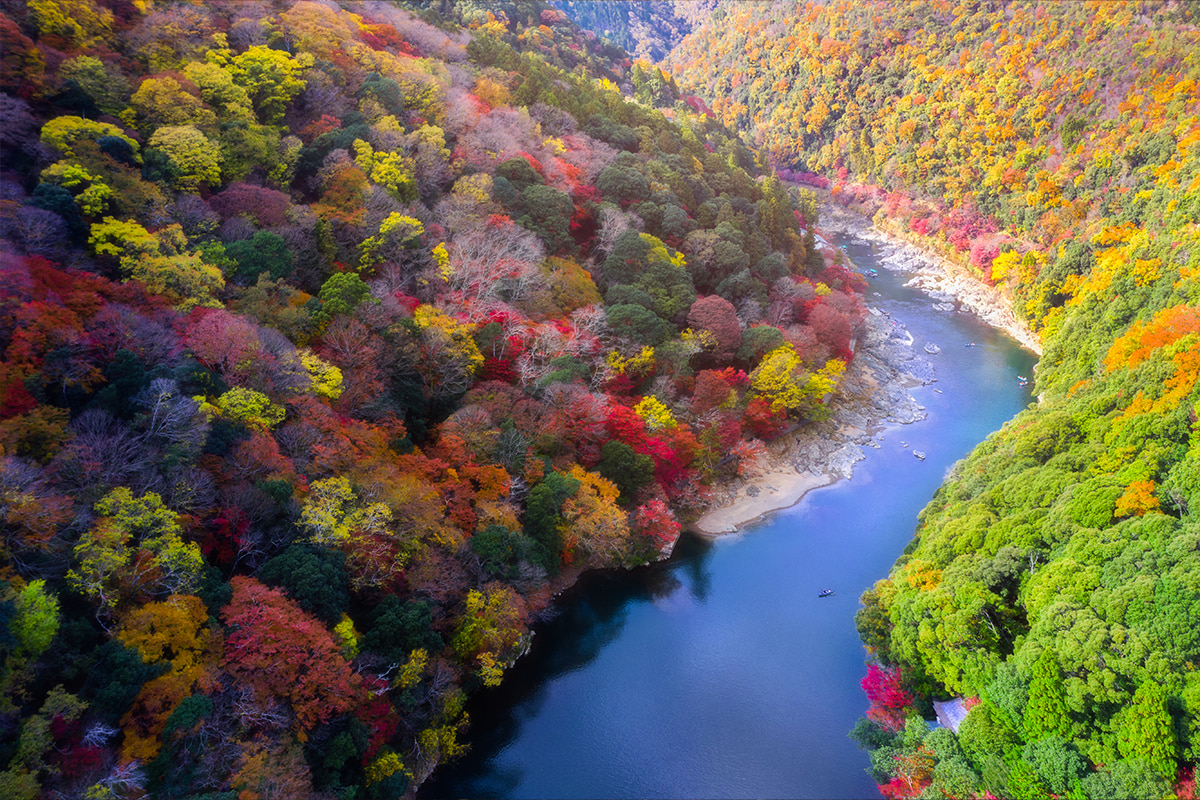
329,338
1052,152
283,653
890,701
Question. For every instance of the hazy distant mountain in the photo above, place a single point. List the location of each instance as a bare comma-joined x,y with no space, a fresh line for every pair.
645,29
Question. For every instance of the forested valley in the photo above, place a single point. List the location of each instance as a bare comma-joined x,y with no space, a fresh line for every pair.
337,338
1053,150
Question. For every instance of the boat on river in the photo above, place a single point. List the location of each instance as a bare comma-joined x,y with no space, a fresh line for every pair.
825,593
607,672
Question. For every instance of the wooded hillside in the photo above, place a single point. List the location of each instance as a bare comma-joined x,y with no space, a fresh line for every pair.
336,338
1054,580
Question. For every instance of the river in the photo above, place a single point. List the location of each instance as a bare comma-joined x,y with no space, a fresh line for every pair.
720,673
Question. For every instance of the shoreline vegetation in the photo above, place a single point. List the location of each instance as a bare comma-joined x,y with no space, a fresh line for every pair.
938,276
1052,151
874,391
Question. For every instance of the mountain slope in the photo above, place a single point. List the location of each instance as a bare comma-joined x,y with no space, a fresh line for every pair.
336,339
1053,150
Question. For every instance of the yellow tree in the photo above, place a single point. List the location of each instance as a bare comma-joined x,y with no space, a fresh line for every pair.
36,619
332,513
656,415
491,630
134,547
397,230
252,408
270,77
163,101
70,24
160,261
592,520
197,161
326,378
390,169
781,378
91,193
173,632
450,358
217,89
63,133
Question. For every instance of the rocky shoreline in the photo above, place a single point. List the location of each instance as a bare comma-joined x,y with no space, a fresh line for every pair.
949,285
874,390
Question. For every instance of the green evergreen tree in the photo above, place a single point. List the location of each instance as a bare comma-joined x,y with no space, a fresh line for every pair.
1145,730
1046,712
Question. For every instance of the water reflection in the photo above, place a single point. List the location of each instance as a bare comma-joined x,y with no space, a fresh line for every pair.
693,555
592,613
720,673
588,617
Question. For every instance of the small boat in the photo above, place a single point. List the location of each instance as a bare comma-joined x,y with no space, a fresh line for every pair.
970,344
825,593
919,455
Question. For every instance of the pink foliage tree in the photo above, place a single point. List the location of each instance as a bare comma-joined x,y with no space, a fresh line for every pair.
268,207
717,315
889,699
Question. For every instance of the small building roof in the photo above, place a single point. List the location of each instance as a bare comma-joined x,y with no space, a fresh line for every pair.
950,713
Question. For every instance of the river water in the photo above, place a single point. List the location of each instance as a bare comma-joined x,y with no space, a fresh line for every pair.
720,673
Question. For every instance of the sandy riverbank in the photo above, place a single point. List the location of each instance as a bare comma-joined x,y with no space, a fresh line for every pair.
773,491
873,391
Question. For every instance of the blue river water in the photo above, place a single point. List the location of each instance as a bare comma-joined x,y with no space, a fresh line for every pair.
720,673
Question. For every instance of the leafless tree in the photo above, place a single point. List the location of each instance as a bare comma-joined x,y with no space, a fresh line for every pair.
283,372
297,438
245,32
102,454
195,216
322,95
236,229
41,232
499,261
427,39
170,418
255,714
589,324
191,490
554,121
117,327
590,155
499,135
126,779
613,222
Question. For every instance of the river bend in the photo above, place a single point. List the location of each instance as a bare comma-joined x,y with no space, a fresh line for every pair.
720,673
